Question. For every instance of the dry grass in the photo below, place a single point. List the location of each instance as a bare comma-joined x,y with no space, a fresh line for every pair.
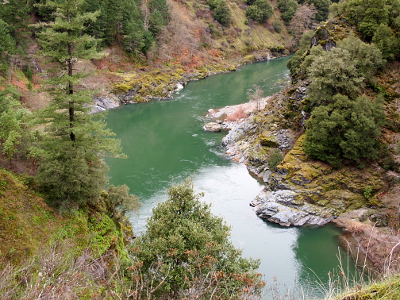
372,247
56,274
237,115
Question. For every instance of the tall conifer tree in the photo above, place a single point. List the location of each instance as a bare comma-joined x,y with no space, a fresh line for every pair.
72,171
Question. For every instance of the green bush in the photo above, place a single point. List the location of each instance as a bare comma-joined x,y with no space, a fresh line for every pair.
344,129
222,13
288,8
368,192
274,159
278,26
184,245
260,11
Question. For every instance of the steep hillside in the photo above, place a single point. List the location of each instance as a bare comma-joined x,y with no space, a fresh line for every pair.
26,222
28,225
360,195
191,45
194,39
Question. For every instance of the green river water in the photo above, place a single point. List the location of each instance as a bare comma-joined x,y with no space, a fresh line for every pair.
165,144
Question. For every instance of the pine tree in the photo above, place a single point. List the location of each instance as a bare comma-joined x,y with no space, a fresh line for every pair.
95,28
110,15
13,119
72,171
7,45
15,13
132,27
159,15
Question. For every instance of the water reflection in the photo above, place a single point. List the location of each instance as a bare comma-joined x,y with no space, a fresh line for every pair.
318,262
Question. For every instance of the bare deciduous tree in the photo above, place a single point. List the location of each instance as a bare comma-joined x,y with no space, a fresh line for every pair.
302,20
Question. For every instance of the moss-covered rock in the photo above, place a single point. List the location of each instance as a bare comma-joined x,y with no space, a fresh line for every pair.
268,141
320,184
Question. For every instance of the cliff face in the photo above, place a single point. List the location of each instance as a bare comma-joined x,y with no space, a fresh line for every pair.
312,192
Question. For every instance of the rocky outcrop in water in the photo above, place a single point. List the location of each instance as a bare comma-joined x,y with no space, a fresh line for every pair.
305,192
286,208
102,103
212,127
299,192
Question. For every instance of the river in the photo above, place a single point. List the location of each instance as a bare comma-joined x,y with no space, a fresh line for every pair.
165,144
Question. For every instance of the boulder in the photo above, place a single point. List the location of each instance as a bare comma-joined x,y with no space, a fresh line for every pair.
102,103
212,127
286,208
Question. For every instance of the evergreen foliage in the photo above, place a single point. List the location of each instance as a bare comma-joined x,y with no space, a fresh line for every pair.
132,28
96,27
119,21
386,41
343,70
299,65
322,9
368,15
278,26
343,124
7,45
222,13
274,159
159,15
15,13
14,120
72,172
344,129
288,8
260,11
119,202
186,245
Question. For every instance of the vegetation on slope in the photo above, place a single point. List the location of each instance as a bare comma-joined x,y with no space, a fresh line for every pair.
63,147
183,37
346,103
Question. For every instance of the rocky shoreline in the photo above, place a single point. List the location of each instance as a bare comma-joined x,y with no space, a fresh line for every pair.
276,203
138,87
300,192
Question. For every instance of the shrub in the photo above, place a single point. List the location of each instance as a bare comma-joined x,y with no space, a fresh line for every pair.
368,192
185,242
288,8
278,26
344,129
222,13
274,159
260,11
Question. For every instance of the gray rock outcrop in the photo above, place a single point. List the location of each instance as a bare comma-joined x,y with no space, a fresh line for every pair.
212,127
102,103
286,208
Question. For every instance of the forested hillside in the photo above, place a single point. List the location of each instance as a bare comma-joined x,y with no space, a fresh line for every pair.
57,56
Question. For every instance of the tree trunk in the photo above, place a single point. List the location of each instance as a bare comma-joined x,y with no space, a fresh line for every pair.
70,92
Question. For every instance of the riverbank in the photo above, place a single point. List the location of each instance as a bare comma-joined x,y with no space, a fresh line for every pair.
143,84
300,192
